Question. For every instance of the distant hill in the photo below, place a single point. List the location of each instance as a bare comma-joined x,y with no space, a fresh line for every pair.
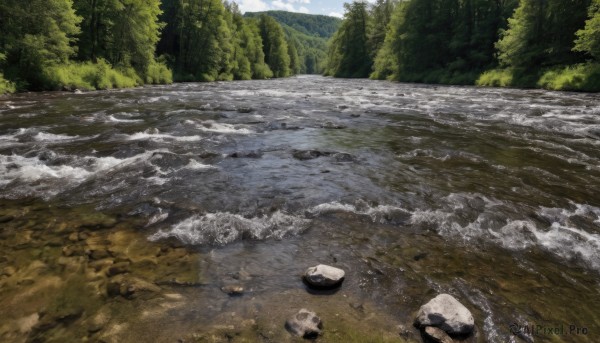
308,33
309,24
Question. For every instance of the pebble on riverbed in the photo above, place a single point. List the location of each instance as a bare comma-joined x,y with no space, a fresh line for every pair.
323,276
305,324
446,313
233,290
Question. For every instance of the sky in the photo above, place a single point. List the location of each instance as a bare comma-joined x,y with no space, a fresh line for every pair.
327,7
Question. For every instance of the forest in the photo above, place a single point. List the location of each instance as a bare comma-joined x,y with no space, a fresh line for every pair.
553,44
102,44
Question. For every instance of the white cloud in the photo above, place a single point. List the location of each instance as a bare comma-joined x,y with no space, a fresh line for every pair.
336,14
284,5
252,5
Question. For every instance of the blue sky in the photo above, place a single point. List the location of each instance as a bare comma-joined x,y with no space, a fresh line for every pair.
326,7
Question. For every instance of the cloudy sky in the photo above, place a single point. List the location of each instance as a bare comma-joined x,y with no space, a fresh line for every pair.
327,7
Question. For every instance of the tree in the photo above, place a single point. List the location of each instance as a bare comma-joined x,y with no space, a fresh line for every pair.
541,33
588,38
36,34
444,41
274,46
349,54
381,13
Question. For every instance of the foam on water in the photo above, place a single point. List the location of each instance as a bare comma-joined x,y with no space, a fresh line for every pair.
195,165
50,137
223,228
211,126
379,213
33,174
114,119
472,216
161,137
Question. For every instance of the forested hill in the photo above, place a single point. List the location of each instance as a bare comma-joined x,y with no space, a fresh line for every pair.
309,24
307,36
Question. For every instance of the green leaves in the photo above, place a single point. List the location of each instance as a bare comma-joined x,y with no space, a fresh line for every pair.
349,54
275,46
588,38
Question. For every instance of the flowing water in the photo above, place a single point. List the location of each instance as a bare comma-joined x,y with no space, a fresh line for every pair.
491,195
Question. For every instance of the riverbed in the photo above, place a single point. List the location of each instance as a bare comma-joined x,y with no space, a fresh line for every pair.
125,214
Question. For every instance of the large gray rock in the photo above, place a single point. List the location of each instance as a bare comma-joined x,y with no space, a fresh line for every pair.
304,324
446,313
323,276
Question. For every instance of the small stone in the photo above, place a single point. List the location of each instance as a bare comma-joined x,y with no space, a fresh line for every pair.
74,237
8,271
332,126
99,254
6,219
72,250
233,290
118,268
305,324
438,335
245,110
323,276
446,313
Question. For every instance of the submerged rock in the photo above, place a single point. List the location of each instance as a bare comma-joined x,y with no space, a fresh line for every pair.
323,276
233,290
446,313
6,219
246,154
245,110
305,324
130,287
332,126
437,335
304,155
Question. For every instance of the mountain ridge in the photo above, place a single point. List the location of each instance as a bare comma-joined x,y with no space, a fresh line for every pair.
310,24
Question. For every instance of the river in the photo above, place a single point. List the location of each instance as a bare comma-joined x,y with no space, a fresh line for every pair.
125,212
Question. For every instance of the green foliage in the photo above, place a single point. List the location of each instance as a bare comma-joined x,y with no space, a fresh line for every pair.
349,53
439,41
312,51
541,34
124,32
274,46
588,38
34,35
158,73
308,24
6,86
579,77
496,78
88,76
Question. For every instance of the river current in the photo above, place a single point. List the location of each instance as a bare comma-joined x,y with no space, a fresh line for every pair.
492,195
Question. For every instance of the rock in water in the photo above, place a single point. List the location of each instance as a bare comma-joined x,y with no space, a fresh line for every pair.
438,335
323,276
304,324
446,313
233,290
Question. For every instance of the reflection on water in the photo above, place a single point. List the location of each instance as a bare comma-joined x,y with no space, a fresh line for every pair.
128,211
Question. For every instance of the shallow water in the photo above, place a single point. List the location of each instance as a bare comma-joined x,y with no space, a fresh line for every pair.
491,195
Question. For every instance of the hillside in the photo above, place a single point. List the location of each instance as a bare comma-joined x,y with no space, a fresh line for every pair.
309,24
308,34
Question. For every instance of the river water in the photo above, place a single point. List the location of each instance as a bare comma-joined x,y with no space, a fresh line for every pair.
491,195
